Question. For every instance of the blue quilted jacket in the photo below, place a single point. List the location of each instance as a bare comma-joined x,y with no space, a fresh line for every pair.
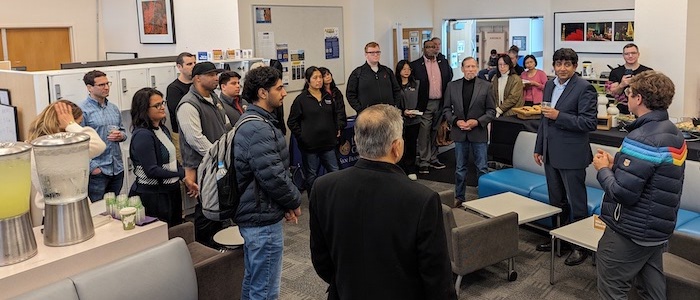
643,189
261,160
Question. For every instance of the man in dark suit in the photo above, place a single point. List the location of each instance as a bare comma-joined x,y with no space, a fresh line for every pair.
433,73
386,239
469,108
562,142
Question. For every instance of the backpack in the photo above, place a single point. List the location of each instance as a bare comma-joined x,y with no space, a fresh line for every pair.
216,177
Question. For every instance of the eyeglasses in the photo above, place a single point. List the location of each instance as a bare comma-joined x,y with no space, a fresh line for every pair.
103,85
430,47
628,92
503,65
630,53
159,104
374,52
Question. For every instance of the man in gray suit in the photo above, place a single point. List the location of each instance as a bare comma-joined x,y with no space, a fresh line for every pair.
562,142
469,107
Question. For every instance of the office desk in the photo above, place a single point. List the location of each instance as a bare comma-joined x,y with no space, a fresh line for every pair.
505,130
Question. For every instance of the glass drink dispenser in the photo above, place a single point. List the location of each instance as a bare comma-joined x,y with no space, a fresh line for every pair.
16,235
63,166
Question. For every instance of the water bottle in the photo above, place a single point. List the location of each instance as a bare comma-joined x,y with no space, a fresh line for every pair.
221,171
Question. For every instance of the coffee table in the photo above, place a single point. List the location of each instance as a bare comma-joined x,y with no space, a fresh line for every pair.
229,237
528,210
581,233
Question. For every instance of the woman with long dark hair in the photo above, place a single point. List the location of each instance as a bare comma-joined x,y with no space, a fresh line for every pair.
330,87
316,121
152,151
507,87
411,120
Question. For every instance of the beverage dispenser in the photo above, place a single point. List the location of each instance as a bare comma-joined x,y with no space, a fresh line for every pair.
63,166
16,235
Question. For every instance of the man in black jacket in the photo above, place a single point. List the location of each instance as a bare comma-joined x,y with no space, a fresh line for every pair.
385,240
433,73
642,193
372,83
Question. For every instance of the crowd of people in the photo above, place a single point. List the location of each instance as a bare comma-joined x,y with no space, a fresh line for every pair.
352,247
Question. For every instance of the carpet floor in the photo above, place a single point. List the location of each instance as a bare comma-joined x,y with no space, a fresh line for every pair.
299,280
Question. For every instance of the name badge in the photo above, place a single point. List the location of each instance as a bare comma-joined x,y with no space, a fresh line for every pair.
328,101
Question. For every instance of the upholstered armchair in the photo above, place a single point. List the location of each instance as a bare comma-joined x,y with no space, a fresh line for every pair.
475,242
682,266
219,274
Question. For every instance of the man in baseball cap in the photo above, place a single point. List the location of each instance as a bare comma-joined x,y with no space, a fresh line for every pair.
202,120
205,68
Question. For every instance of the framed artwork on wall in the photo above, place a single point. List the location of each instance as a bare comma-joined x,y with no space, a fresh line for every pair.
156,21
5,97
601,31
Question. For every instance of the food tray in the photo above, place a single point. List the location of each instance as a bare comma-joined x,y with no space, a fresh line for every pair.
528,112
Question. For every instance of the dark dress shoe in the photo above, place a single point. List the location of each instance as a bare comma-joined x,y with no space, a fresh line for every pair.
576,257
546,247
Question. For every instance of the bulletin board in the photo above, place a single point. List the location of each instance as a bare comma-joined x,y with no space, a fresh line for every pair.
9,126
300,37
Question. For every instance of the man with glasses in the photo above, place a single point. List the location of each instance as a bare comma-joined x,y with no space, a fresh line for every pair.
372,83
563,143
433,73
202,121
107,169
621,76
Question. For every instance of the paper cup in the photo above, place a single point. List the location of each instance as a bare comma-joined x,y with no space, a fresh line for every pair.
128,215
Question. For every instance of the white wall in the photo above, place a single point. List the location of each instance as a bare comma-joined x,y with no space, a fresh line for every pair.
80,15
520,27
460,9
199,26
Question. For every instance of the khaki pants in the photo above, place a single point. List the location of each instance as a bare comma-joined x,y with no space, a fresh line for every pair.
176,140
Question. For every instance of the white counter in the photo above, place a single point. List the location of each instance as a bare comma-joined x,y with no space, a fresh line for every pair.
51,264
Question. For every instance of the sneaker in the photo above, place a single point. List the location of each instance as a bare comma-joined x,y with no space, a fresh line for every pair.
437,165
423,170
413,177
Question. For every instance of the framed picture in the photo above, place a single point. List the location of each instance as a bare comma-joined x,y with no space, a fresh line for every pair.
601,31
156,21
5,97
9,127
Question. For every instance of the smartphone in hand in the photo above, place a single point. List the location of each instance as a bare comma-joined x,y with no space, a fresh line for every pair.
628,71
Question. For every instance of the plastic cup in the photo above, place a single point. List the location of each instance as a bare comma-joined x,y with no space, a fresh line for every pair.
546,104
128,215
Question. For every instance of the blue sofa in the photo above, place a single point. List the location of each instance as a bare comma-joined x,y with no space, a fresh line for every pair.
527,179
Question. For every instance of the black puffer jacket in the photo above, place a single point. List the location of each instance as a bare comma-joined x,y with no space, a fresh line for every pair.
643,189
261,159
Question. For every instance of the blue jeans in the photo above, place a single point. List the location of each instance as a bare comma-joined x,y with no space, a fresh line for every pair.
100,184
462,157
312,161
263,261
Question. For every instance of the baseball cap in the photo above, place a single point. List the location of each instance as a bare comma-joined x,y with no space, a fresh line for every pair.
205,68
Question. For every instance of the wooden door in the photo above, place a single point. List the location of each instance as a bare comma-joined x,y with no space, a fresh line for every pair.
39,49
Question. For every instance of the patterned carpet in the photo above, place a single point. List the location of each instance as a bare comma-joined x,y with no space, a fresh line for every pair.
299,280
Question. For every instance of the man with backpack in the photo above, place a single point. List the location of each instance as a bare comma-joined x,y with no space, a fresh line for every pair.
202,121
267,194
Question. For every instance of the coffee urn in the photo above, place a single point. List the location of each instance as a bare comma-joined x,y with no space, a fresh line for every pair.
63,166
16,235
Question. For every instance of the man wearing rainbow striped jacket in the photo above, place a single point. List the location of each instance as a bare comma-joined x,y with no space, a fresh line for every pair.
642,193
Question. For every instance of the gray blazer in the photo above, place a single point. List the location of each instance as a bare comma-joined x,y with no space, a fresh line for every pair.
482,108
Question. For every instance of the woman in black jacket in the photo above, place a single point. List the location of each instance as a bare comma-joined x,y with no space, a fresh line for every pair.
157,171
411,119
316,121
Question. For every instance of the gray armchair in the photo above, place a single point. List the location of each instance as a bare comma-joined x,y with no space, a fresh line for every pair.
682,266
475,242
219,274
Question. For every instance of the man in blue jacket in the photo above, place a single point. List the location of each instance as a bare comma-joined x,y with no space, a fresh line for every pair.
642,187
261,161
